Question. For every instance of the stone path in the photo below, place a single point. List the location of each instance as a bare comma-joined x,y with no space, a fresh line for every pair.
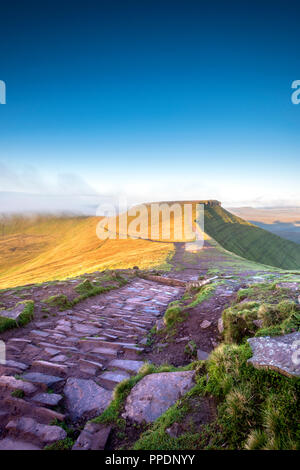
67,367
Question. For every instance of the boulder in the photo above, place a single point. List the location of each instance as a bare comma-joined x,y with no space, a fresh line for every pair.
85,399
280,353
155,393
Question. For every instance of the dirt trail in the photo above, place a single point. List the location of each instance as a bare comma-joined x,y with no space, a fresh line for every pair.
201,324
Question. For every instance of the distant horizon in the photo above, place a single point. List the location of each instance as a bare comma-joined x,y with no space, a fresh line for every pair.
85,204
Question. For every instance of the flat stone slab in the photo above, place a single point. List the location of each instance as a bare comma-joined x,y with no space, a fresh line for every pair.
95,365
86,329
38,377
15,365
12,444
46,366
21,341
93,437
127,365
43,432
279,353
10,383
104,351
114,377
48,399
42,334
155,393
14,313
52,351
85,399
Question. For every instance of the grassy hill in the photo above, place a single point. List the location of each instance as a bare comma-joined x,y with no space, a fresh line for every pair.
249,241
40,248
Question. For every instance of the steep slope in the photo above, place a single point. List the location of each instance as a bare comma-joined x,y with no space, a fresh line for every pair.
251,242
46,248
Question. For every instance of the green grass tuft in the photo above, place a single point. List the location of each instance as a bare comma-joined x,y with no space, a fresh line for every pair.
258,409
84,287
174,315
18,393
59,300
63,444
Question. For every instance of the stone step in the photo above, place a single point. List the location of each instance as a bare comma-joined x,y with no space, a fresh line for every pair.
109,336
39,334
88,344
119,331
92,364
12,384
18,406
47,399
28,429
108,344
21,342
52,351
42,379
106,352
110,379
134,326
143,322
134,348
12,444
14,365
59,370
69,349
126,364
86,330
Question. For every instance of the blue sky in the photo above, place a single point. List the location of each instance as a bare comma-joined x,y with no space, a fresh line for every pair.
153,100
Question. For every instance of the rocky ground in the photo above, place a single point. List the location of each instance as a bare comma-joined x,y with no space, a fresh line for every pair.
62,367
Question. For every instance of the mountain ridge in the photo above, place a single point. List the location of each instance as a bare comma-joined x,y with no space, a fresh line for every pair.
56,247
